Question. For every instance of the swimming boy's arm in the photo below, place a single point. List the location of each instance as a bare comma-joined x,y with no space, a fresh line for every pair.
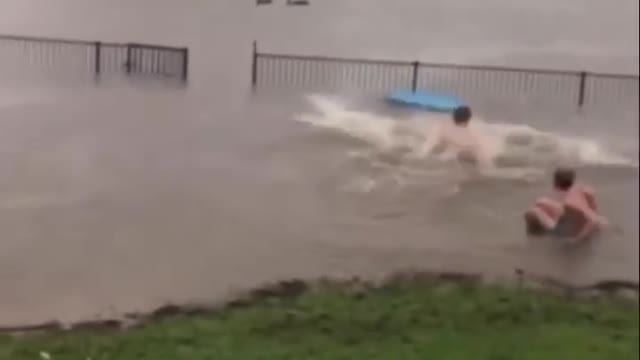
432,141
481,152
483,156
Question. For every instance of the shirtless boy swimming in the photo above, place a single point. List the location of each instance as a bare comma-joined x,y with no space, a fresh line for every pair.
459,141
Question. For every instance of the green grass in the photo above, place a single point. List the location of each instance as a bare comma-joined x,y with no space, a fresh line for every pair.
414,320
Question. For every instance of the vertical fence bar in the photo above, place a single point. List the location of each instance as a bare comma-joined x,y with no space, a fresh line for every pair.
254,65
98,57
128,63
414,76
581,89
185,64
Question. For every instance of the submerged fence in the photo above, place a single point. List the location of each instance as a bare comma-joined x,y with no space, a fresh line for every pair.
94,58
577,88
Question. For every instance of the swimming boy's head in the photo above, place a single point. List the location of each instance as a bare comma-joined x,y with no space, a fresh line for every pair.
563,179
462,116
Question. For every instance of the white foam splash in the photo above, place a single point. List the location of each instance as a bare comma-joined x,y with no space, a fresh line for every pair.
511,146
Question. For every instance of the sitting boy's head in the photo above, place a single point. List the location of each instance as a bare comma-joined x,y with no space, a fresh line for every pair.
564,178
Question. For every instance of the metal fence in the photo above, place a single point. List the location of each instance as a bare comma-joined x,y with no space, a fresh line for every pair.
94,58
577,88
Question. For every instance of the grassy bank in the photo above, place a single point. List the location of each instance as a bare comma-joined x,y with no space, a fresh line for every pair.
414,320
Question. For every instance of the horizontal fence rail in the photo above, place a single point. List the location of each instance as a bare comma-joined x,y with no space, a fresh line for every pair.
577,88
94,58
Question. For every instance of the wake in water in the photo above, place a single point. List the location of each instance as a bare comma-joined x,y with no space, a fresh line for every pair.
398,148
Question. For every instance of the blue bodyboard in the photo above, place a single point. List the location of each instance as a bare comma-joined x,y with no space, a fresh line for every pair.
425,100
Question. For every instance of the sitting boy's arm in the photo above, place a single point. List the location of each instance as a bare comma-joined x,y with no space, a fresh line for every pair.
590,197
592,222
588,228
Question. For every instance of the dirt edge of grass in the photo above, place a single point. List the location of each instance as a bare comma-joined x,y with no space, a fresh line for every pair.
617,289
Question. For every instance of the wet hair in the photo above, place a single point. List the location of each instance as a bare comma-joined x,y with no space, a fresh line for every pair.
563,178
462,115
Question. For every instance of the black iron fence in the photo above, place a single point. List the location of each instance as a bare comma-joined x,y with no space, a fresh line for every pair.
316,72
94,58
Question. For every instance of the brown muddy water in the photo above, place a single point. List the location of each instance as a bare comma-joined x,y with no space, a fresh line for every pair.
124,196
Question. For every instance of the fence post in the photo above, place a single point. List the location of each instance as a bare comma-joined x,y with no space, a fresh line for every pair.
414,76
97,61
128,63
581,90
254,65
185,64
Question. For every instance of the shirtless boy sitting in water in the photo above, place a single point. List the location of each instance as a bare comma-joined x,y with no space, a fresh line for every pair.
571,211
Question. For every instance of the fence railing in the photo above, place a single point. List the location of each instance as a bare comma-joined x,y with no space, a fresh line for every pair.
94,58
577,88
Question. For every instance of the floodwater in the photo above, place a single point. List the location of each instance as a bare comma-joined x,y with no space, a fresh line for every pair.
125,196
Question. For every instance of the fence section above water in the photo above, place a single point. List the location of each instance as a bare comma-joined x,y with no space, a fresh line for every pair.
574,88
80,58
